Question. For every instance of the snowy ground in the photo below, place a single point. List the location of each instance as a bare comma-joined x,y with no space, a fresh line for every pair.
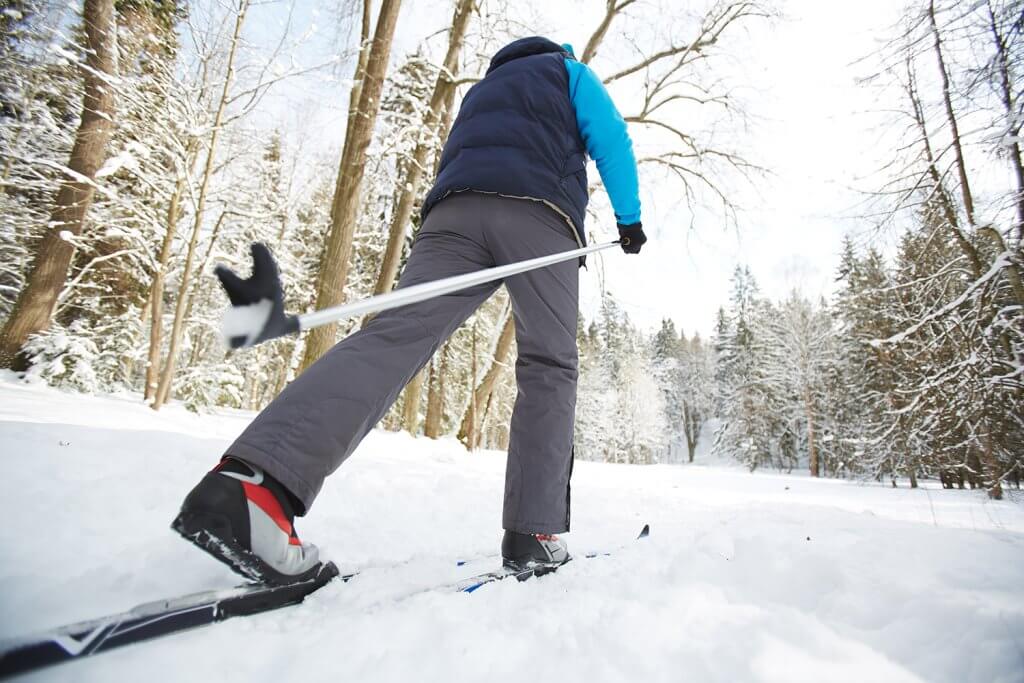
744,578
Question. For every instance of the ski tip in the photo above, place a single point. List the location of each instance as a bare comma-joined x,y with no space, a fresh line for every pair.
645,532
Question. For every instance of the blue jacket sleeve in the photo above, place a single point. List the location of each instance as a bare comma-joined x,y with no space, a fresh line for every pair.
606,137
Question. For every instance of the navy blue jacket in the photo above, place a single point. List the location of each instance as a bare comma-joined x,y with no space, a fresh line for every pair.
516,134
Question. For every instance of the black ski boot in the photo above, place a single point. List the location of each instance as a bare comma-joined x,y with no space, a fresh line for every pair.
532,551
243,517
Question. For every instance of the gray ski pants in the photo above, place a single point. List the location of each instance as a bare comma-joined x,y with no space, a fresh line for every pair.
318,420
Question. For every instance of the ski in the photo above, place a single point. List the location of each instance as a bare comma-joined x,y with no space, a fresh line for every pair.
480,580
165,617
154,619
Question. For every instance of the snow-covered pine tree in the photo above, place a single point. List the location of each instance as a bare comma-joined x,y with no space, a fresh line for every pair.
667,349
697,390
802,352
960,309
596,396
620,414
749,413
863,389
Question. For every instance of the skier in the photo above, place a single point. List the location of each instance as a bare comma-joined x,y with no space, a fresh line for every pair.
511,185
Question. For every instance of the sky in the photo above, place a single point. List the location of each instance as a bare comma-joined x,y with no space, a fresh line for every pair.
815,130
809,124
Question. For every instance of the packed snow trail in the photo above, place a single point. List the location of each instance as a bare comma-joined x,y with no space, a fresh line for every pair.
760,577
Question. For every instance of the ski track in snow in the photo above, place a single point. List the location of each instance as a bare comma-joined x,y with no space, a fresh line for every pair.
762,577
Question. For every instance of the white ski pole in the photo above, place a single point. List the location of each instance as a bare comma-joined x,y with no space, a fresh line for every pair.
257,313
429,290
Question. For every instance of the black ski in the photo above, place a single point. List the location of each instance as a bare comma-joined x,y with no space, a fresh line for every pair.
154,619
164,617
474,582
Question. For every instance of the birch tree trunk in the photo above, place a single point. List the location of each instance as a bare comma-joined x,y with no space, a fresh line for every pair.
167,374
33,310
334,264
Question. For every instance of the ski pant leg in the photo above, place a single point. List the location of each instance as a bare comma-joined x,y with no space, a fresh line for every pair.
315,424
545,304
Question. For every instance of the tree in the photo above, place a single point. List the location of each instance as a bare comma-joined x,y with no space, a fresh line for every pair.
697,390
410,186
802,352
33,310
957,311
40,96
167,374
334,264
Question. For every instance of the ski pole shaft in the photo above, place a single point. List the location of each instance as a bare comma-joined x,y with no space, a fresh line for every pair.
429,290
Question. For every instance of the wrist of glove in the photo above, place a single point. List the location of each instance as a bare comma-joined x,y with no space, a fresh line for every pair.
632,237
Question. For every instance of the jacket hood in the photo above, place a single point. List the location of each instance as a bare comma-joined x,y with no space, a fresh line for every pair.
524,47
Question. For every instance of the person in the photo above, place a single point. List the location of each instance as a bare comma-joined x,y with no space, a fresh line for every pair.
511,185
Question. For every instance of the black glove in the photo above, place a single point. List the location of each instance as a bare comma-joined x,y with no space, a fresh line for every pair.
257,303
632,237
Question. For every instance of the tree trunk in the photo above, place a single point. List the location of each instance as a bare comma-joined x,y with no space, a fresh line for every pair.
411,403
474,404
989,463
949,212
167,375
357,76
812,447
435,396
33,310
156,293
334,264
482,393
410,184
691,430
965,188
1007,96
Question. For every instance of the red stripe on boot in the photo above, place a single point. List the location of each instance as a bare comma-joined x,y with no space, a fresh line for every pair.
266,501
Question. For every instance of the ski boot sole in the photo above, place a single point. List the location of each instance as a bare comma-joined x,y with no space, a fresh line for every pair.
212,533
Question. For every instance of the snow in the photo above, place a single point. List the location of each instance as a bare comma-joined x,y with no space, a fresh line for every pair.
124,159
761,577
